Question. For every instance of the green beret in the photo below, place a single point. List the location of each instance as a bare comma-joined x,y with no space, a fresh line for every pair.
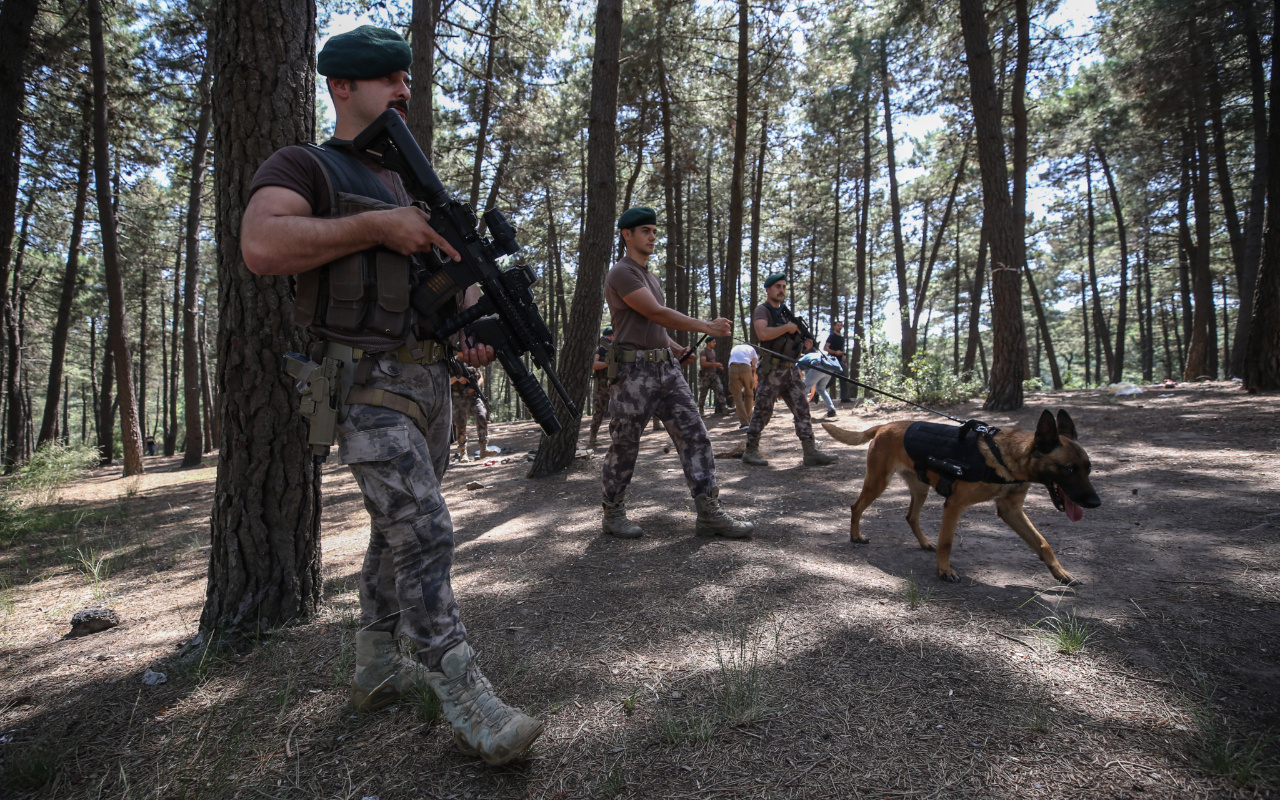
774,278
640,215
608,330
364,53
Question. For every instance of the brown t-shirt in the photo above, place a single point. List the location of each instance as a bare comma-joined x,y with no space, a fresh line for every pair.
294,168
709,354
631,329
772,317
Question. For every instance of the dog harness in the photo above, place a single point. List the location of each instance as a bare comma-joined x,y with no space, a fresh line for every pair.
953,453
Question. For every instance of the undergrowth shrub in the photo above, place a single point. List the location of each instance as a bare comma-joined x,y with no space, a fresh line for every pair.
931,382
42,479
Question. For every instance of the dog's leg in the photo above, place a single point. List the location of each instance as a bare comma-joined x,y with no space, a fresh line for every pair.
950,520
919,493
879,469
1011,511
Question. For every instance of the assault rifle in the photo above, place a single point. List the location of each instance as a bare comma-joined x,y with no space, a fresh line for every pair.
794,341
515,327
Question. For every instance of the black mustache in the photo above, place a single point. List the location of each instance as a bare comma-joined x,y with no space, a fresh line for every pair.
400,104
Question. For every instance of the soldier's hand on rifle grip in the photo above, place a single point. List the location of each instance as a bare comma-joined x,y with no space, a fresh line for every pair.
474,353
720,328
407,230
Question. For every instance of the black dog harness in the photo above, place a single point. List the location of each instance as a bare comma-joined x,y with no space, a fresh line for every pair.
953,453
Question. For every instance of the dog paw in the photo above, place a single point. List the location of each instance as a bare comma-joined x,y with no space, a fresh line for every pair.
859,539
930,546
949,577
1067,580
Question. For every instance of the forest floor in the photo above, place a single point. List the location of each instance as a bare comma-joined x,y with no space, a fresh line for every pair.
793,665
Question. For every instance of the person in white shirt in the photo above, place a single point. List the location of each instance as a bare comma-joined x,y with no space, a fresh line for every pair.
743,359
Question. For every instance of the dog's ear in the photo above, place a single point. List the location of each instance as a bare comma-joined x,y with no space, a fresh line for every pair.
1066,427
1047,433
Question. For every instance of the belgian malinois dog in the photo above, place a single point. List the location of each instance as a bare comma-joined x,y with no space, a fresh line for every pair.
1050,456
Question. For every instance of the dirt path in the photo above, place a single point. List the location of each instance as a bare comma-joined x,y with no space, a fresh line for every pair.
794,665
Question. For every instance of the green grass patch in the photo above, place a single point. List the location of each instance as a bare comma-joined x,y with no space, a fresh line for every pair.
915,594
1068,633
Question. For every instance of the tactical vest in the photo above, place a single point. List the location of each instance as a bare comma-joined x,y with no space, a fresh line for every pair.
363,298
788,344
953,453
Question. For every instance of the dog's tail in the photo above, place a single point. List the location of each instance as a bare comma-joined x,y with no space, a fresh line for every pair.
853,438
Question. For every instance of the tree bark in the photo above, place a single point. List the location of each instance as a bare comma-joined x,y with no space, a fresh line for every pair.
15,440
264,563
1122,300
555,453
1262,353
1045,337
757,201
171,427
16,18
856,345
422,38
974,335
1009,343
117,320
1102,337
1257,192
729,296
192,454
486,95
895,211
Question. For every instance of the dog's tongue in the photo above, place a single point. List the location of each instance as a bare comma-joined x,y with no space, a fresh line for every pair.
1074,512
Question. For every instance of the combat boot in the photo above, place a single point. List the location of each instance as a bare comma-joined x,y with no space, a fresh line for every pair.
462,453
591,443
615,520
752,455
378,681
813,457
484,449
482,724
713,520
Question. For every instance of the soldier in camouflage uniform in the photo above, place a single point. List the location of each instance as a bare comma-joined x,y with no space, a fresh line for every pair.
466,401
779,378
600,377
647,382
709,379
395,425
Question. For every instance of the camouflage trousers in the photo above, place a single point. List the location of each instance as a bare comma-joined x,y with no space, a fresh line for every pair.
600,401
463,407
710,382
404,583
660,391
785,382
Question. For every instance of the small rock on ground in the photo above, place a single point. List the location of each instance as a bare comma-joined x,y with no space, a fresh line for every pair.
93,620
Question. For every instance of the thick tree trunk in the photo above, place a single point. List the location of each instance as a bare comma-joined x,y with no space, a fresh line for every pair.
1122,300
1262,353
264,563
1257,192
1009,343
555,453
422,38
16,18
117,320
1148,313
855,347
1201,350
192,450
757,201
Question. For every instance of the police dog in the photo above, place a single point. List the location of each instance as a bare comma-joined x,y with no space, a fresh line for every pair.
1050,456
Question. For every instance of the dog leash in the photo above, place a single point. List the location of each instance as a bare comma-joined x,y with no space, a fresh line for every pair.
856,382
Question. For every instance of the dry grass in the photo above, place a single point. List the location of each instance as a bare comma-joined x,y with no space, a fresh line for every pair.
793,665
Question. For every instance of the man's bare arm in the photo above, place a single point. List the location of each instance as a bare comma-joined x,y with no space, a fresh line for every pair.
642,300
766,333
280,237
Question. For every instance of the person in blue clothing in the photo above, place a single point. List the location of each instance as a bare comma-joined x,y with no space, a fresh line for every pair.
816,381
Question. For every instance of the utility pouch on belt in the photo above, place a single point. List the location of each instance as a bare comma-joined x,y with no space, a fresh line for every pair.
323,386
611,358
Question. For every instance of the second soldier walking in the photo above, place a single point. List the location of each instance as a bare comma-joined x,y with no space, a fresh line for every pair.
646,381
